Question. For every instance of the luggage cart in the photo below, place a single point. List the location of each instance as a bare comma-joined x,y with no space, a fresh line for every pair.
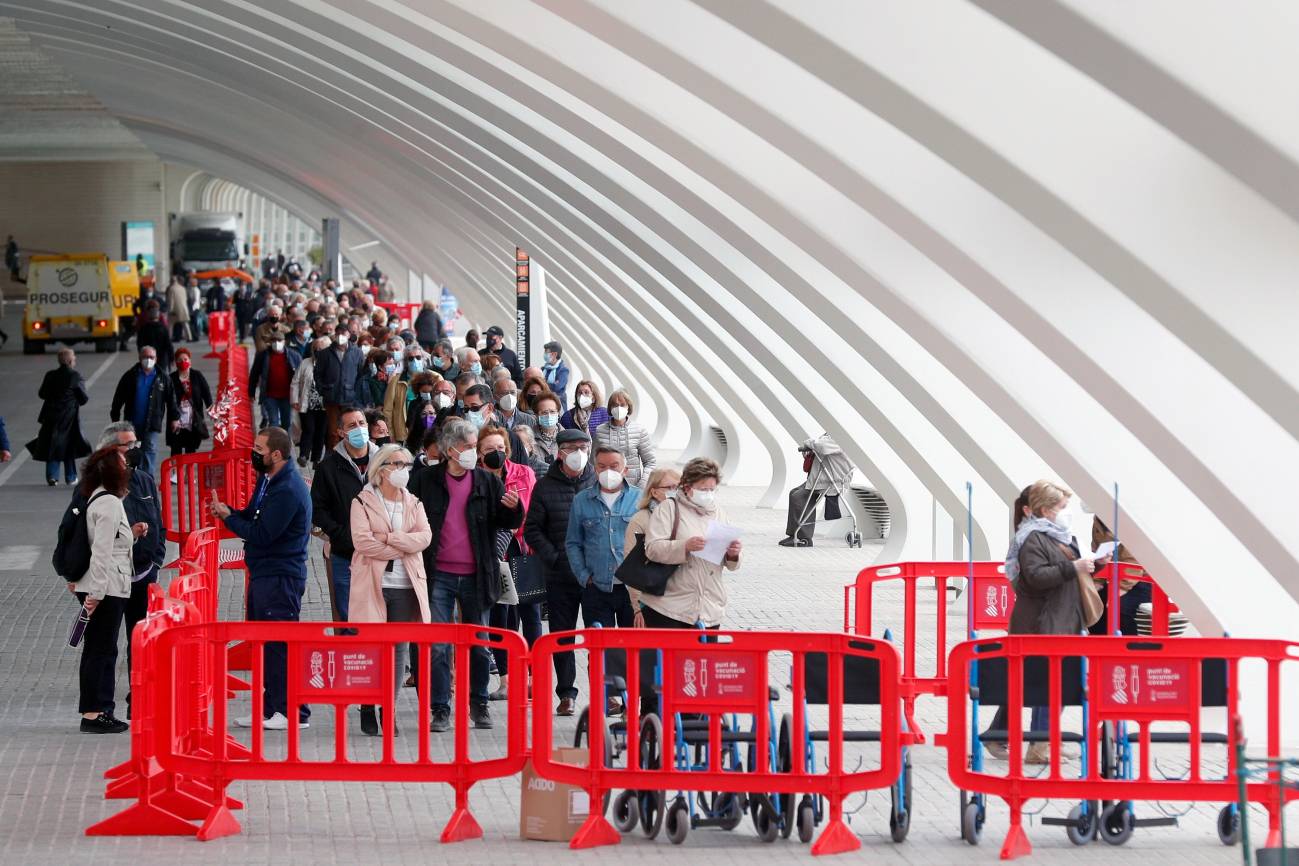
829,473
1285,773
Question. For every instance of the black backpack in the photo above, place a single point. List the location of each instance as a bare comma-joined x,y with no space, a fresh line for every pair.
71,558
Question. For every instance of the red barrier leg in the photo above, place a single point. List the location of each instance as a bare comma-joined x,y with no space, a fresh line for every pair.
909,708
462,825
1273,826
1016,844
220,821
119,770
597,830
836,838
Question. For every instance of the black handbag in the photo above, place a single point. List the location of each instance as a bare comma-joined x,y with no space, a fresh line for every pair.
529,574
640,572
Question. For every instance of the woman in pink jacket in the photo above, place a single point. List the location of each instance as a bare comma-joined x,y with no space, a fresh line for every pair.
389,533
494,455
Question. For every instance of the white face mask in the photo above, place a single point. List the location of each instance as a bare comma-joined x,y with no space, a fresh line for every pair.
1064,519
703,498
619,413
576,460
610,479
341,339
467,459
442,400
278,345
399,477
147,363
584,401
508,402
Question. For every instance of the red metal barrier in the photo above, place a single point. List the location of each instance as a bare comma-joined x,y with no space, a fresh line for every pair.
232,415
1119,682
405,313
219,332
185,488
337,670
715,673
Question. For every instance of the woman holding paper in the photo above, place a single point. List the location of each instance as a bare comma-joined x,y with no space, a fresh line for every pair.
678,534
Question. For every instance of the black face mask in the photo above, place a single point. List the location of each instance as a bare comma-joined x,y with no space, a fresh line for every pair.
494,459
259,463
133,456
382,440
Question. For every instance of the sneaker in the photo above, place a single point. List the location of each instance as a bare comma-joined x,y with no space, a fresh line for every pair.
480,715
71,482
614,707
997,751
53,482
103,723
302,462
795,542
441,721
276,722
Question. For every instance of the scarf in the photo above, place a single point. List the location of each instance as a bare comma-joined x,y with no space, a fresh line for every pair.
581,417
1027,528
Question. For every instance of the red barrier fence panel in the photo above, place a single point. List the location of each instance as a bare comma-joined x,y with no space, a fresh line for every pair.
405,313
219,331
1167,690
716,673
187,482
339,671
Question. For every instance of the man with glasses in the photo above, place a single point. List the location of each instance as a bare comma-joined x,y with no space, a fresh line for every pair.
546,532
506,392
481,412
142,509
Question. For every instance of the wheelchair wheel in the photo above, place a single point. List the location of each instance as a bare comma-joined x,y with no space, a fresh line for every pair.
579,742
728,808
1116,823
806,820
1081,828
626,811
768,827
678,821
900,818
583,722
785,764
1229,825
653,804
971,820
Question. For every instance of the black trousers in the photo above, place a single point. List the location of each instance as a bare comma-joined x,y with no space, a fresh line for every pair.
649,698
276,598
311,446
137,608
564,601
99,655
801,498
1128,604
611,610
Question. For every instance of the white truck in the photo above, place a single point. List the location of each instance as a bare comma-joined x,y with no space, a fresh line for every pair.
207,241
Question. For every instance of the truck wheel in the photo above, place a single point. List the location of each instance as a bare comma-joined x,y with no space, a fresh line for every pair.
33,347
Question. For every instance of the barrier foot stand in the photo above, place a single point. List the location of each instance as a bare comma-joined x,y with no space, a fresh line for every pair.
836,838
142,819
595,832
219,822
117,771
208,793
463,825
128,787
1016,844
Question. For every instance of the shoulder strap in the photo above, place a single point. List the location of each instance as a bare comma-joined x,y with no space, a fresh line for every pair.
92,499
676,519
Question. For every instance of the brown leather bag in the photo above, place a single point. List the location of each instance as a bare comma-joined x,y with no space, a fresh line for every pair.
1088,596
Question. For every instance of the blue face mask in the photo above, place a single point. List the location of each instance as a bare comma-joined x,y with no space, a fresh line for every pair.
358,437
476,418
437,362
548,420
476,368
426,396
416,365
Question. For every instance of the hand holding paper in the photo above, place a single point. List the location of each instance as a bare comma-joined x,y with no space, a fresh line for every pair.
1104,551
717,539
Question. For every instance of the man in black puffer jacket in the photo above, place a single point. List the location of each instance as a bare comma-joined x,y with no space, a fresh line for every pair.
336,483
546,531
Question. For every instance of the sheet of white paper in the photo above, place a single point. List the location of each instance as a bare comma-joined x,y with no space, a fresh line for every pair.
717,538
1103,551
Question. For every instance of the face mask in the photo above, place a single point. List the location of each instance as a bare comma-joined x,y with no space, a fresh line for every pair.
183,363
147,363
467,459
494,459
399,477
372,369
548,419
133,456
357,437
508,402
532,395
259,463
278,346
619,412
610,479
552,360
576,460
442,401
416,365
1064,519
426,396
703,498
428,421
584,401
476,418
382,440
437,362
476,368
391,369
341,340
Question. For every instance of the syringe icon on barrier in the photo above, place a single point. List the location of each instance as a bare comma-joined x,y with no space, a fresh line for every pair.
332,669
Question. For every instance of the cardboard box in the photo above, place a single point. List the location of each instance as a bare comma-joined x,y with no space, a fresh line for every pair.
552,811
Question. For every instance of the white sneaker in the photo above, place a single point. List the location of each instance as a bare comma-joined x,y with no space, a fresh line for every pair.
276,722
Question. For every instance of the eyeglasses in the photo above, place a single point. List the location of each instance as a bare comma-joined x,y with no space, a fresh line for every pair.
469,408
399,465
581,446
668,487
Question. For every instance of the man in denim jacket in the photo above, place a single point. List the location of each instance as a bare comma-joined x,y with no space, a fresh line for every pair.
597,526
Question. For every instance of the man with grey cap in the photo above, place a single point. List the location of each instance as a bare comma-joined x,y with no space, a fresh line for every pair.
546,531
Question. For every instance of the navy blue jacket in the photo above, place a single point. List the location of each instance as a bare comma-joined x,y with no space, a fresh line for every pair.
4,438
143,506
276,530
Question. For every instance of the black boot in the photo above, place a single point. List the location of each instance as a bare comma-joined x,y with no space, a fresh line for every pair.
395,732
369,726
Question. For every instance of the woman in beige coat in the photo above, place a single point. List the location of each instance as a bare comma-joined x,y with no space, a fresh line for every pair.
389,533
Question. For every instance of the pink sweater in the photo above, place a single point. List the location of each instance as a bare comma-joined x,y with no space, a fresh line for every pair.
455,551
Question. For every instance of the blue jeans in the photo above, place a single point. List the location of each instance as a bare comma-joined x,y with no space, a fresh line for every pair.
148,451
444,591
276,413
341,567
69,471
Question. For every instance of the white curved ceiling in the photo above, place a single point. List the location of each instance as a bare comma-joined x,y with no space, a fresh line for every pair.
976,241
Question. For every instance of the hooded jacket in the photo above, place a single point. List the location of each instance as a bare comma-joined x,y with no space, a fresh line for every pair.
336,483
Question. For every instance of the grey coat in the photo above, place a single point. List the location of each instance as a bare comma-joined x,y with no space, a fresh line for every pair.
633,441
1047,600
